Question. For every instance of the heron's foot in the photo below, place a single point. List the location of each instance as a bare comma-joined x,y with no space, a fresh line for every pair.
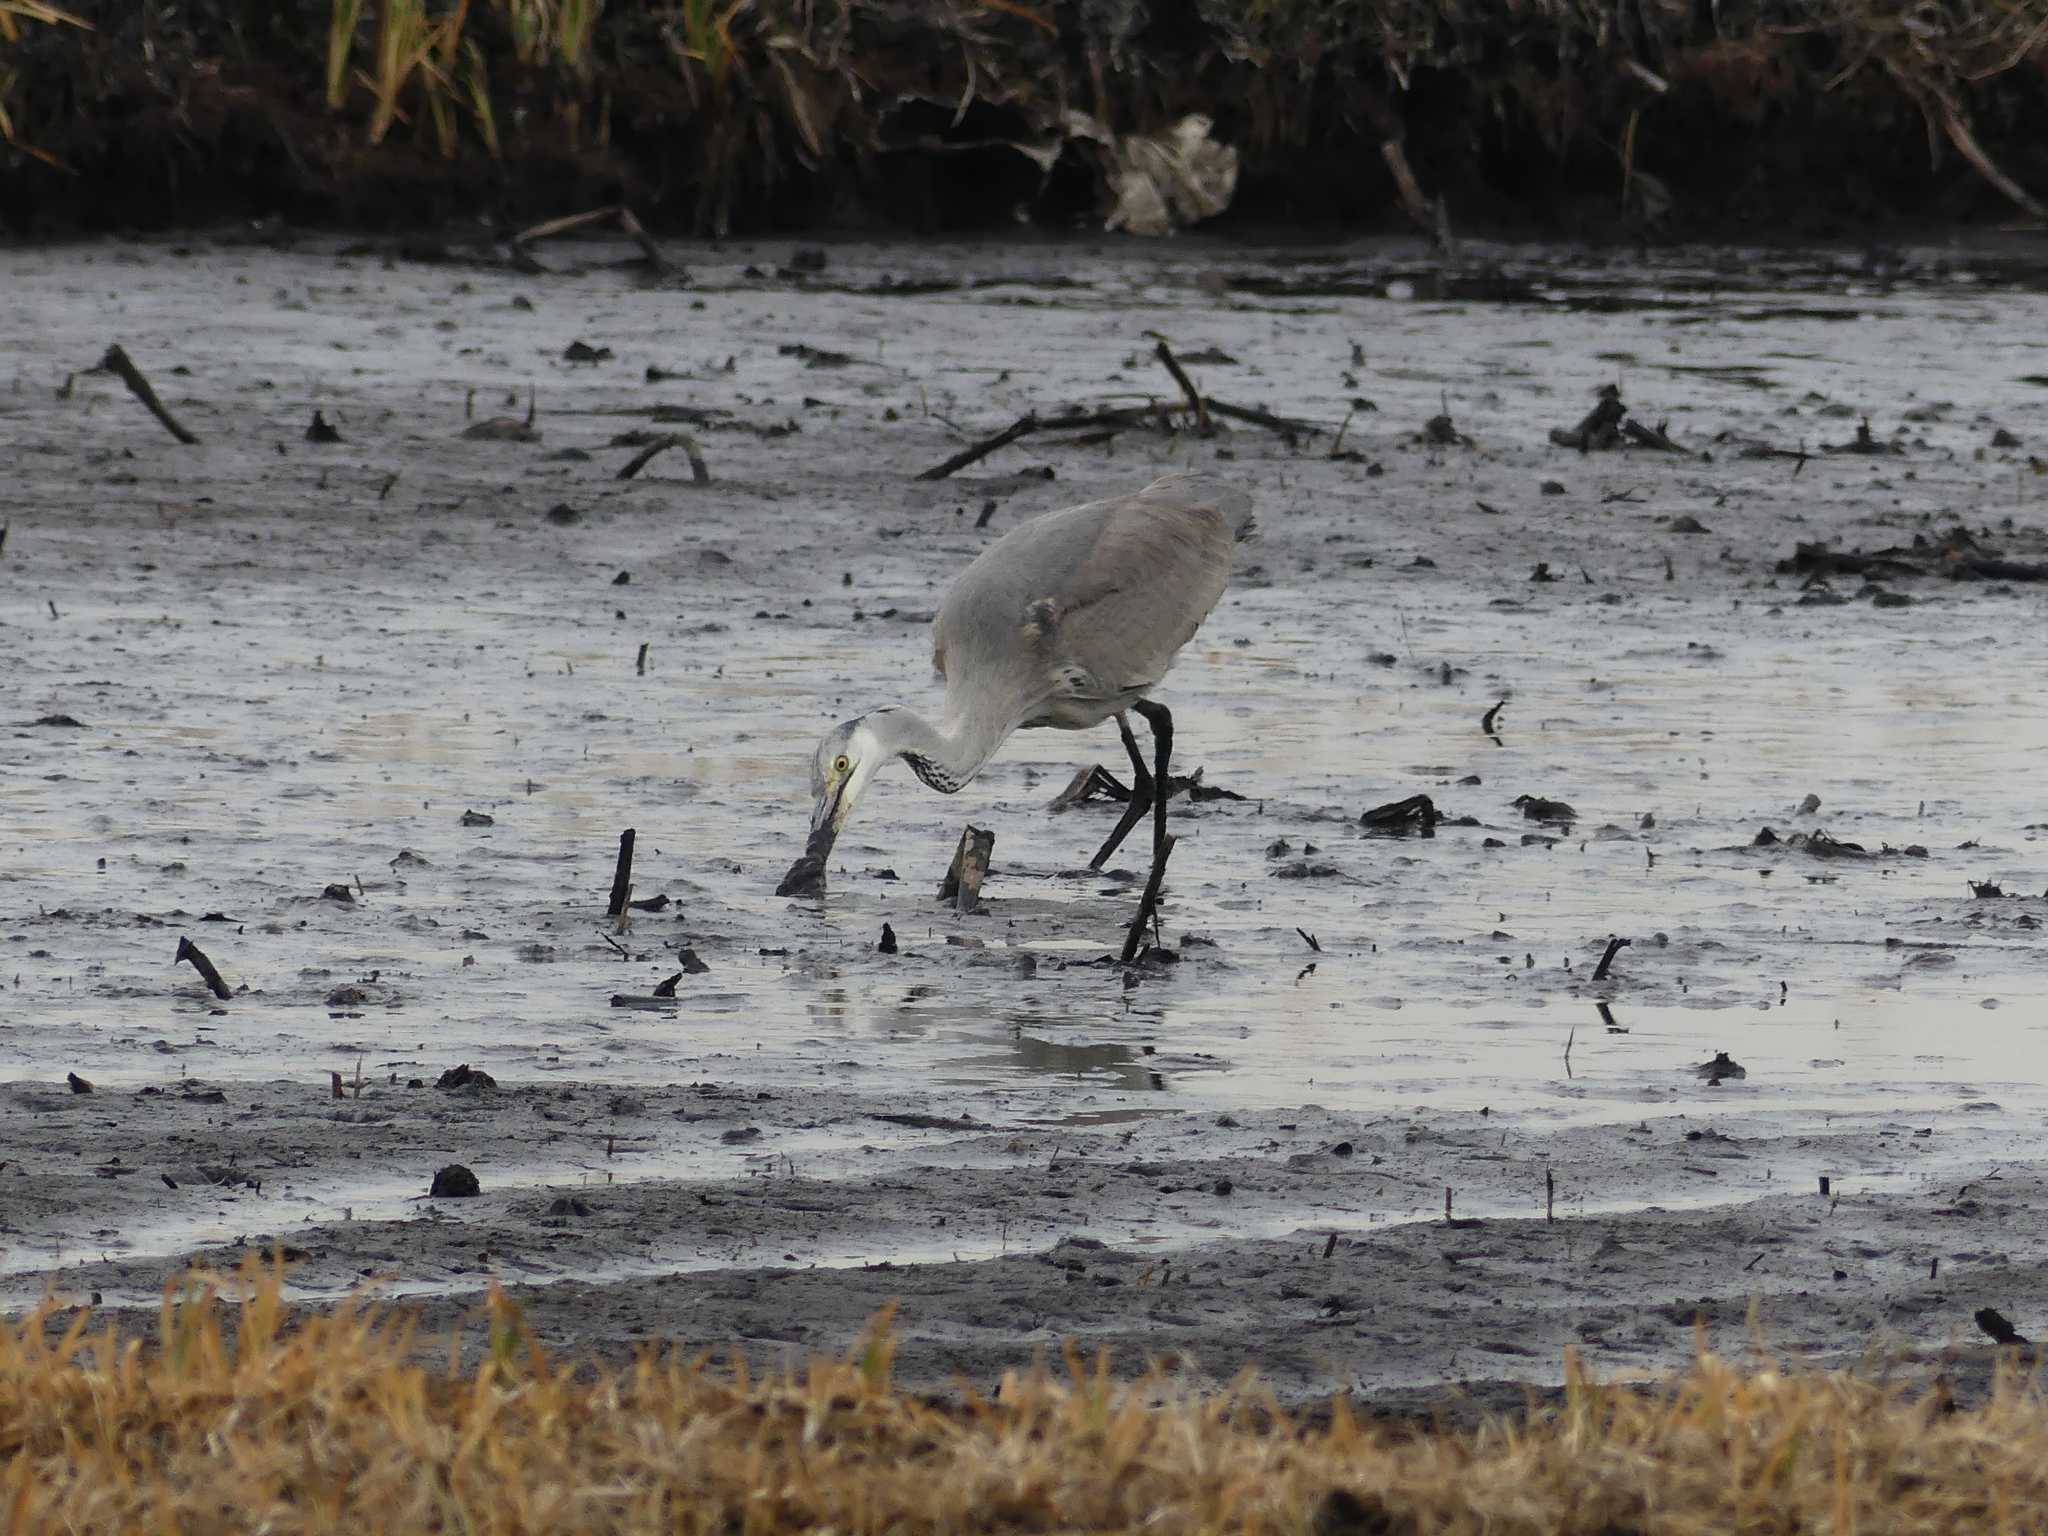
1135,810
1090,784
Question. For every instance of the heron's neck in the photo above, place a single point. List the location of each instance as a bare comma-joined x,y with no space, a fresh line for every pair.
945,756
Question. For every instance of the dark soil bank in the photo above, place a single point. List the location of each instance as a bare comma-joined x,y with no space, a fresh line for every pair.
1645,120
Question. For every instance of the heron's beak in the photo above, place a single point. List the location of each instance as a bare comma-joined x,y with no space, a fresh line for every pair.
807,875
831,809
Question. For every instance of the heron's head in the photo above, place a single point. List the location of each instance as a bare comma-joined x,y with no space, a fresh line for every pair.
846,761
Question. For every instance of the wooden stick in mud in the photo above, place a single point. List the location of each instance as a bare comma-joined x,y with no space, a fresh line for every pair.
187,950
1614,947
1148,904
1023,426
622,877
117,361
1260,418
700,472
622,215
1187,387
962,885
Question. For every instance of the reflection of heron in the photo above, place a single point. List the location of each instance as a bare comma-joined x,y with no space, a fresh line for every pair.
1069,620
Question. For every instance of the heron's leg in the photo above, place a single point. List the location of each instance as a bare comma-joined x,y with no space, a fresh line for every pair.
1161,720
1141,794
1162,846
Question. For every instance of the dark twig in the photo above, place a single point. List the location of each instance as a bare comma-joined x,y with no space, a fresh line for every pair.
699,470
1486,720
1187,387
622,877
1309,939
1023,426
117,361
188,951
1614,947
1258,418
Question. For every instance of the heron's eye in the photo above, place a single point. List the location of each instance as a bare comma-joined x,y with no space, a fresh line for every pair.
839,764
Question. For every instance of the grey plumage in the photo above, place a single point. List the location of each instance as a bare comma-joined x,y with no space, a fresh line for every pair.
1070,619
1072,615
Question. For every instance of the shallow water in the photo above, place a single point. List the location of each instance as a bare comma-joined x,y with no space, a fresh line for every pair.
289,671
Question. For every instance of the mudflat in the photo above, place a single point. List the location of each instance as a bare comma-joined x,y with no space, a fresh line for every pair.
363,719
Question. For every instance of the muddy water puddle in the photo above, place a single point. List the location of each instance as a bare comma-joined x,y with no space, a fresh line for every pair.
294,672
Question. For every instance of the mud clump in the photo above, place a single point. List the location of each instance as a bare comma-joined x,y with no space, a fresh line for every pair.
455,1182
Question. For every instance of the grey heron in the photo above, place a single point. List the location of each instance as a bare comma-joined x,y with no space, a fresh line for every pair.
1070,619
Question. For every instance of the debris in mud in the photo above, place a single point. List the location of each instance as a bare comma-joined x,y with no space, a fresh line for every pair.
1488,720
1159,182
188,951
1685,522
117,362
65,722
1994,1323
1822,846
568,1205
583,352
1164,352
466,1076
1956,555
1538,808
505,429
691,962
813,357
337,892
1657,437
1608,426
1862,442
806,876
1721,1069
918,1122
620,214
700,471
739,1134
653,1002
1415,816
666,987
1442,432
962,884
887,943
477,819
1987,890
1302,869
78,1084
622,877
347,995
562,515
320,430
1599,428
1614,947
454,1182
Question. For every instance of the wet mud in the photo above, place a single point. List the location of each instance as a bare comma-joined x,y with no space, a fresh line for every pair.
362,717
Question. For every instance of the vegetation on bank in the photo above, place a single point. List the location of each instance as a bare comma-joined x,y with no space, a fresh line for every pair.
1647,115
300,1423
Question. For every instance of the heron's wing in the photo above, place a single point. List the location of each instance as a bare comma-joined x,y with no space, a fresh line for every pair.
1088,603
1157,567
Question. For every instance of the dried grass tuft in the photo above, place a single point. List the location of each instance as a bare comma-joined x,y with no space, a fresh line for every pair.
309,1422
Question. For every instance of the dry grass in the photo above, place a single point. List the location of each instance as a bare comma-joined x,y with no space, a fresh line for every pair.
330,1423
